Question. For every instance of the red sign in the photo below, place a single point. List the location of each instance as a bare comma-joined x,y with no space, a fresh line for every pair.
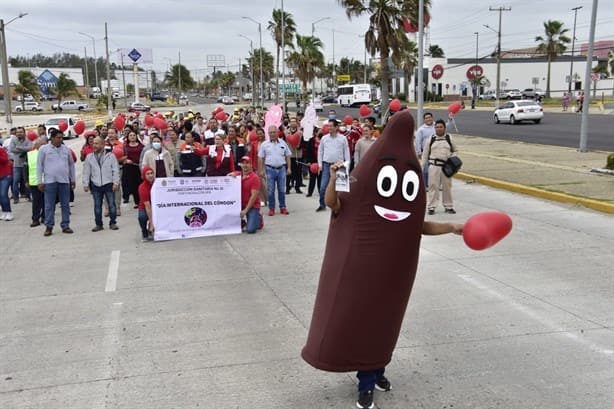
474,71
437,72
447,86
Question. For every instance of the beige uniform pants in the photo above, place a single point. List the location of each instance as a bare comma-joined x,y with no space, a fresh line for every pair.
436,179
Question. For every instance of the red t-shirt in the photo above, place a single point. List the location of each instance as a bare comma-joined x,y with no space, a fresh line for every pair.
249,183
144,194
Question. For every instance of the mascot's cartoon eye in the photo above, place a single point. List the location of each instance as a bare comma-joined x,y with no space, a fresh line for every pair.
411,183
387,181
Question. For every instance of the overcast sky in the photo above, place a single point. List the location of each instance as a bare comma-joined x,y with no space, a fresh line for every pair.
199,28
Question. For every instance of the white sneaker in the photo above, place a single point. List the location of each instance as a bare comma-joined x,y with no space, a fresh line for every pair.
8,217
2,216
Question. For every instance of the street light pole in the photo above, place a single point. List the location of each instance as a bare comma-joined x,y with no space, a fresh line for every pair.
500,10
420,101
313,29
251,63
587,80
573,45
475,84
261,80
5,69
283,57
313,25
95,62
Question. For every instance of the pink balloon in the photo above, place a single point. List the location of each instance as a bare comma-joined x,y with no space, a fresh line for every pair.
484,230
395,105
365,110
313,168
454,108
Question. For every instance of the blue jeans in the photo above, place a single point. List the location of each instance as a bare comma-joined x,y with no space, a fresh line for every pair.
143,219
5,202
99,193
324,182
19,181
52,191
366,379
254,218
425,173
273,177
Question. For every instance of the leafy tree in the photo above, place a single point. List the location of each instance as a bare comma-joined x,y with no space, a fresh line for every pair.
436,51
179,73
267,66
64,87
355,68
553,44
385,34
27,85
307,58
275,26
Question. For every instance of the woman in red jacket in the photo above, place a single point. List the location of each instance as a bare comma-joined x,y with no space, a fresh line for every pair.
6,179
219,158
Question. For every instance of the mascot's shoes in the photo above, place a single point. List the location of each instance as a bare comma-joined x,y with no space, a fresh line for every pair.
365,400
383,384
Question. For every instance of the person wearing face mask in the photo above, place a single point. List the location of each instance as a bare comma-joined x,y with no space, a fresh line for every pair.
158,158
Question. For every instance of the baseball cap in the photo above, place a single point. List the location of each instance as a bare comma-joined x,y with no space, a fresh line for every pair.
246,159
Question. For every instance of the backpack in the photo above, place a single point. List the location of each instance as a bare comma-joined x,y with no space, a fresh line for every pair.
447,140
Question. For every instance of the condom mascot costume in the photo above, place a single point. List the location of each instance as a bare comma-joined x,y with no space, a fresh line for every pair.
371,257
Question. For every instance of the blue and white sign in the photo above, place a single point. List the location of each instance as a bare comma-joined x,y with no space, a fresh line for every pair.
46,80
137,55
134,55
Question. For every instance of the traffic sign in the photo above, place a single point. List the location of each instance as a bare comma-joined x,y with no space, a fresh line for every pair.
437,72
134,55
447,86
474,71
343,77
290,87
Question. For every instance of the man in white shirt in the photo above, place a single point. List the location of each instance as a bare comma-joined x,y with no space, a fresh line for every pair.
423,136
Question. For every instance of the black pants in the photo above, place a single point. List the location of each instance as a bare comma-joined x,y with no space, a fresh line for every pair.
38,204
313,178
296,178
131,179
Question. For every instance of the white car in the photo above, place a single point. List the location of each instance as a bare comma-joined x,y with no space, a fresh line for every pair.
488,95
54,122
517,111
28,106
317,104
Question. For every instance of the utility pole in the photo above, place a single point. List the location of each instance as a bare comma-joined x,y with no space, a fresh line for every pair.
283,57
587,80
500,10
420,62
95,61
87,77
573,45
251,63
109,99
334,65
179,75
124,79
5,69
475,84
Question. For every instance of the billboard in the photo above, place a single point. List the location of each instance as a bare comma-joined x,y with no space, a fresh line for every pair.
135,55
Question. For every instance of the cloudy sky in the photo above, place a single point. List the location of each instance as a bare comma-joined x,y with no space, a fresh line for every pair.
199,28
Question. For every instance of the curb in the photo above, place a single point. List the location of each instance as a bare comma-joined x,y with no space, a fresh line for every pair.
540,193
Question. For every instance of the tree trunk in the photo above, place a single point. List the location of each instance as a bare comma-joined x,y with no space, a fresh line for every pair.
548,78
385,79
277,77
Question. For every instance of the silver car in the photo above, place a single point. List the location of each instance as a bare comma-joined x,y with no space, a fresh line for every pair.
517,111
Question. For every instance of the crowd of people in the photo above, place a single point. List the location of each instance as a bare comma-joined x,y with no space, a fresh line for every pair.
119,165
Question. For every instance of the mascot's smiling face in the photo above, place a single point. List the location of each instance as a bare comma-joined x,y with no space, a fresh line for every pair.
396,180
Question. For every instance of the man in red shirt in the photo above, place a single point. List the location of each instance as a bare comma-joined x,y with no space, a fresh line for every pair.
250,201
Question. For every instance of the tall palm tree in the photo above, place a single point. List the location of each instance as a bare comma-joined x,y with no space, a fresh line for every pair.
267,68
64,87
385,34
306,58
179,74
275,26
552,44
436,51
27,85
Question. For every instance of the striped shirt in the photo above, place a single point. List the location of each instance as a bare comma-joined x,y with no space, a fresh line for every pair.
333,149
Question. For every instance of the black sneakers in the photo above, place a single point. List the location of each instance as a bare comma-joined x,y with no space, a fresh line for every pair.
451,211
431,211
365,400
383,384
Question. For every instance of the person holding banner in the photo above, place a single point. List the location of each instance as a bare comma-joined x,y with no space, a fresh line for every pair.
250,190
145,215
274,156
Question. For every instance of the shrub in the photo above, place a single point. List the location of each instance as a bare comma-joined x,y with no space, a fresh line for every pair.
610,162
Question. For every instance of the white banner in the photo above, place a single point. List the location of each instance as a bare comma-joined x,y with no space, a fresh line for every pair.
196,207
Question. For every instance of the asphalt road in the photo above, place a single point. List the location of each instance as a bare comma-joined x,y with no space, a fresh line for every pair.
558,129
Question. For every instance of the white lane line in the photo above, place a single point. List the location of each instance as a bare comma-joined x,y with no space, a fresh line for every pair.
113,271
536,316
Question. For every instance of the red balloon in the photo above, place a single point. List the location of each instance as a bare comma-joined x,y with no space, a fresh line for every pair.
454,108
365,110
348,119
62,126
160,123
218,109
313,168
119,122
395,105
137,113
411,28
484,230
79,127
325,129
31,135
149,120
155,112
220,116
293,139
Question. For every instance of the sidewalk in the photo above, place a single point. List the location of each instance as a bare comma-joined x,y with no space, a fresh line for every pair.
549,172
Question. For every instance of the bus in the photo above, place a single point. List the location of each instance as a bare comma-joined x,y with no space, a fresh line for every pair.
354,94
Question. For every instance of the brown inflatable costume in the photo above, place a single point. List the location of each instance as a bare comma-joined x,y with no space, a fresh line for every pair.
371,257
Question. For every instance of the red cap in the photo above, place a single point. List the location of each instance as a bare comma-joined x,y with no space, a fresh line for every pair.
246,159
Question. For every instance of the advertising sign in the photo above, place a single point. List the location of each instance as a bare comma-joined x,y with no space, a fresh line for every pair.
137,55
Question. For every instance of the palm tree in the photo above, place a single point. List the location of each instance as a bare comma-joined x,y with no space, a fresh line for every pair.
27,85
65,87
267,66
385,33
275,27
179,74
307,58
436,51
552,44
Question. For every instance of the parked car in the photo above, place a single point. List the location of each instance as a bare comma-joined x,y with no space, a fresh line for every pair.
247,96
491,94
317,104
517,111
69,105
235,98
138,106
158,96
511,94
29,106
329,99
54,122
533,92
226,100
183,100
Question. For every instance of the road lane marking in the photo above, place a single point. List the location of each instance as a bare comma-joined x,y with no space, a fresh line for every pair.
113,271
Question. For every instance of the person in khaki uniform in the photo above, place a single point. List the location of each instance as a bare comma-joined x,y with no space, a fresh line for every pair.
436,151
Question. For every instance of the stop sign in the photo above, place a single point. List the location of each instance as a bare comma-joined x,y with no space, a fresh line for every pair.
474,71
437,72
447,86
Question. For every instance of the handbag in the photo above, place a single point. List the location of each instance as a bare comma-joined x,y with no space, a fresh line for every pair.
451,166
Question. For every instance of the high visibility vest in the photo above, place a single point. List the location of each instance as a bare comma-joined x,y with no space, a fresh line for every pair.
32,159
